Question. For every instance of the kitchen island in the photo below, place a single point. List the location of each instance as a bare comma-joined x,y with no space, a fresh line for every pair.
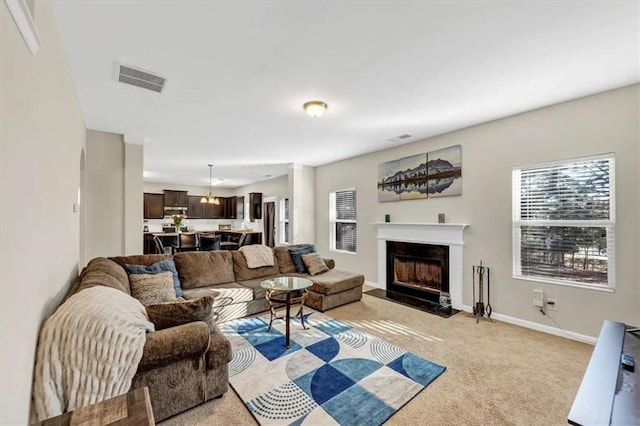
171,238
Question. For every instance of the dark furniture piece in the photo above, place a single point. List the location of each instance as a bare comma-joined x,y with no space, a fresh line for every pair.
210,242
159,246
609,394
234,245
255,206
187,241
153,206
175,198
132,408
194,207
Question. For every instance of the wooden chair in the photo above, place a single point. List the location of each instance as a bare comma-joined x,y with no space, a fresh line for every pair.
159,246
187,240
210,242
230,245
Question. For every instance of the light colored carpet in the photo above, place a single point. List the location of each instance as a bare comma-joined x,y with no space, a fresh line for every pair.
497,373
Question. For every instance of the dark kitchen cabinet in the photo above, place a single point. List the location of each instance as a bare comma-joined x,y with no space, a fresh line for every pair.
230,208
153,206
175,198
240,207
255,206
194,207
214,211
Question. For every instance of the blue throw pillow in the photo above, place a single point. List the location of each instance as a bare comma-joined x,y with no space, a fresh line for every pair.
296,255
167,265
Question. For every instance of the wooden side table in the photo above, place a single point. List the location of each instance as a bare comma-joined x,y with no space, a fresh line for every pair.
132,408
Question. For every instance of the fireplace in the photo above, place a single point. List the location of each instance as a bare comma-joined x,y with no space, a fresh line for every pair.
448,235
417,270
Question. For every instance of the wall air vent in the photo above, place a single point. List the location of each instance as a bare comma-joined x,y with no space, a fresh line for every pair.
140,78
400,138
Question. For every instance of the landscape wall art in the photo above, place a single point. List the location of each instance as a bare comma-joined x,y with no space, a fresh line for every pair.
434,174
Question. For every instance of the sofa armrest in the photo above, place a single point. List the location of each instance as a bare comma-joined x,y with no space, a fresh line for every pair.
330,263
219,352
175,343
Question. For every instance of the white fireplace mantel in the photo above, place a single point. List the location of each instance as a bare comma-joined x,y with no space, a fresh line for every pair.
447,234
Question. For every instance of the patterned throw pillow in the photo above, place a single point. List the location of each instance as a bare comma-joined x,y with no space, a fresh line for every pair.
296,256
167,265
171,314
152,288
314,263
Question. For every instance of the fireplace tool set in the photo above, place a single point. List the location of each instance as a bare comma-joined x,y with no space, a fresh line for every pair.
479,309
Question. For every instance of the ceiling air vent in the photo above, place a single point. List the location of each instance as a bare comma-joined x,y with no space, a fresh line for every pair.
400,138
140,78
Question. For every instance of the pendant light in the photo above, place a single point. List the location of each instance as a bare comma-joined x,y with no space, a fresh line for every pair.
210,199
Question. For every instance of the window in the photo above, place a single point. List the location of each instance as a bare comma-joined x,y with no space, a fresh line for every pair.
564,221
343,220
284,221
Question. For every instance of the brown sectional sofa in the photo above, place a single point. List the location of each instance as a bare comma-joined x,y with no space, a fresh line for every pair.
182,366
237,287
186,365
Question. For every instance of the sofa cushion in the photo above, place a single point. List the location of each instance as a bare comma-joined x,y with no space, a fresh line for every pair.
171,314
314,263
243,272
296,255
102,271
254,285
225,294
152,288
335,281
166,265
204,268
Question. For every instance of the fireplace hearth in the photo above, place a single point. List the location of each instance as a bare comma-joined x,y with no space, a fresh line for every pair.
417,270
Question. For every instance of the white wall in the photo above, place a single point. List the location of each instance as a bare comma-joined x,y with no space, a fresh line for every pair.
114,195
607,122
105,194
302,203
133,198
42,134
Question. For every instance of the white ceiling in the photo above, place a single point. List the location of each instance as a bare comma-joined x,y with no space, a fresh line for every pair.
239,72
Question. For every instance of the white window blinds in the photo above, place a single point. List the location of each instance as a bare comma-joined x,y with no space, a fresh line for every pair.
344,215
564,217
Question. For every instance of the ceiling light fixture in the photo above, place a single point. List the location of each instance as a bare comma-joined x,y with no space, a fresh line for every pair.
210,199
315,108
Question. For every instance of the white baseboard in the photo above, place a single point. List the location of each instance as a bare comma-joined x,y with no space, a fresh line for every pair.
523,323
539,327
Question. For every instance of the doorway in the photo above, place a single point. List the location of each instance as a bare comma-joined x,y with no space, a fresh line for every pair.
269,223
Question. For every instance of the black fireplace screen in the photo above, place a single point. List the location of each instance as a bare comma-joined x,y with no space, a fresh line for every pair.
418,270
423,274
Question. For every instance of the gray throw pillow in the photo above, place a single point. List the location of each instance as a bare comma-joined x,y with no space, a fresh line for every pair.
314,263
166,265
152,288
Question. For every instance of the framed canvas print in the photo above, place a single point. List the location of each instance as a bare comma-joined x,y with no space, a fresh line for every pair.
403,179
444,172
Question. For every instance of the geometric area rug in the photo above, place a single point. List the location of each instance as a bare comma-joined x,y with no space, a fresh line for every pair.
333,373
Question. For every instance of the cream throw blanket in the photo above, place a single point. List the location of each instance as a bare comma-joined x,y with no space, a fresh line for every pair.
257,255
89,350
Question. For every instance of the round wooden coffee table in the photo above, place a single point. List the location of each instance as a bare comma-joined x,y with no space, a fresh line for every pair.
286,291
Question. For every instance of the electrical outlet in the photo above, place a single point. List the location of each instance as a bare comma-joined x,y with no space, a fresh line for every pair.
538,298
552,304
